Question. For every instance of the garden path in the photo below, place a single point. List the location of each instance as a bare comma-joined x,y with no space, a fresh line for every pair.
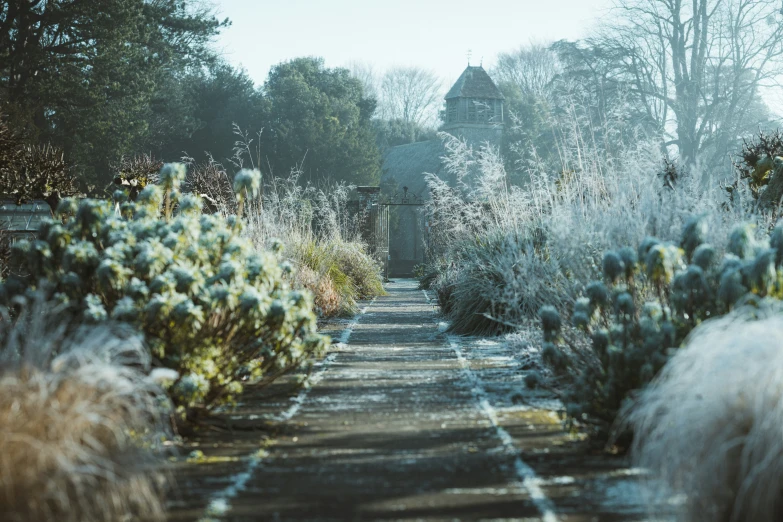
403,422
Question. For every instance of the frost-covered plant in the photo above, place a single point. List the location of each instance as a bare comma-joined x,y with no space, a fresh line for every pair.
518,248
551,354
759,166
502,280
337,272
320,235
320,238
210,305
709,426
651,299
213,183
80,420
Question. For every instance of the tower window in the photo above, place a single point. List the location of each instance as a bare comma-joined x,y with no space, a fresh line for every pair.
484,110
452,111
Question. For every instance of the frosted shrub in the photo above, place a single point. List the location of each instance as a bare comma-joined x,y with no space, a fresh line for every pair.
29,172
709,426
210,306
759,169
651,299
136,172
502,280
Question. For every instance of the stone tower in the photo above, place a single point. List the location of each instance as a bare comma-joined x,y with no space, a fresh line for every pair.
474,108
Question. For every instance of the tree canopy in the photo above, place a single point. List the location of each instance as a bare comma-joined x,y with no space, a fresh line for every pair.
87,75
318,119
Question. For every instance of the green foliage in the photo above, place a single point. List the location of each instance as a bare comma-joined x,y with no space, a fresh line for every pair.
319,118
362,269
90,76
646,308
212,101
391,133
320,258
210,306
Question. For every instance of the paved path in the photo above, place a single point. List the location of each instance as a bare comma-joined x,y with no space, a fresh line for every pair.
404,423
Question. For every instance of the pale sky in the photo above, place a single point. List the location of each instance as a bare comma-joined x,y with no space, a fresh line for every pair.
434,34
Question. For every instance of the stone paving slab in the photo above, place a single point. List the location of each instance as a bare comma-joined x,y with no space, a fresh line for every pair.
403,423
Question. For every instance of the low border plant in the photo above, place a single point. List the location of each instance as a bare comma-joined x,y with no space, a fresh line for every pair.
651,298
708,426
211,307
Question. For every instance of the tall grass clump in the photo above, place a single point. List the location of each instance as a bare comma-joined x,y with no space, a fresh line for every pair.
210,305
80,420
709,426
321,237
319,229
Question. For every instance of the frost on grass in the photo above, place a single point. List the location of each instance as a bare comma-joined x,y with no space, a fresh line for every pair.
80,422
499,253
710,424
321,237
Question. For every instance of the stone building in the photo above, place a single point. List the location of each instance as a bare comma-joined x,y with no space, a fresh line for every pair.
474,111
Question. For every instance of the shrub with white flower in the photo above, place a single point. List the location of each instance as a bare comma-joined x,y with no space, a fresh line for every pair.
210,306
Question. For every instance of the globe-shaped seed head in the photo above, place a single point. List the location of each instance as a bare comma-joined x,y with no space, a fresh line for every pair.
172,175
613,266
694,233
704,256
742,243
550,319
247,181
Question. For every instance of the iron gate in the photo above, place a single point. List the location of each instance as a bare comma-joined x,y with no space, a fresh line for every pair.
374,224
373,212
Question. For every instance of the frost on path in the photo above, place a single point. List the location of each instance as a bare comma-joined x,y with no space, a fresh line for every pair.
220,502
528,478
406,423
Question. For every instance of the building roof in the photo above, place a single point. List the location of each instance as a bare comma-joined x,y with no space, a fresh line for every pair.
475,83
407,164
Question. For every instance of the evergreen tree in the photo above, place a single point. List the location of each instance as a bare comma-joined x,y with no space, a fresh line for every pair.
318,119
84,74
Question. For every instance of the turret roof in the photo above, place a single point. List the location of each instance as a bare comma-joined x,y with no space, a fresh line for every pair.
475,83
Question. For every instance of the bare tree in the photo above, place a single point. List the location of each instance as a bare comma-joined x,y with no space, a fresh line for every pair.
365,73
531,68
412,95
698,67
